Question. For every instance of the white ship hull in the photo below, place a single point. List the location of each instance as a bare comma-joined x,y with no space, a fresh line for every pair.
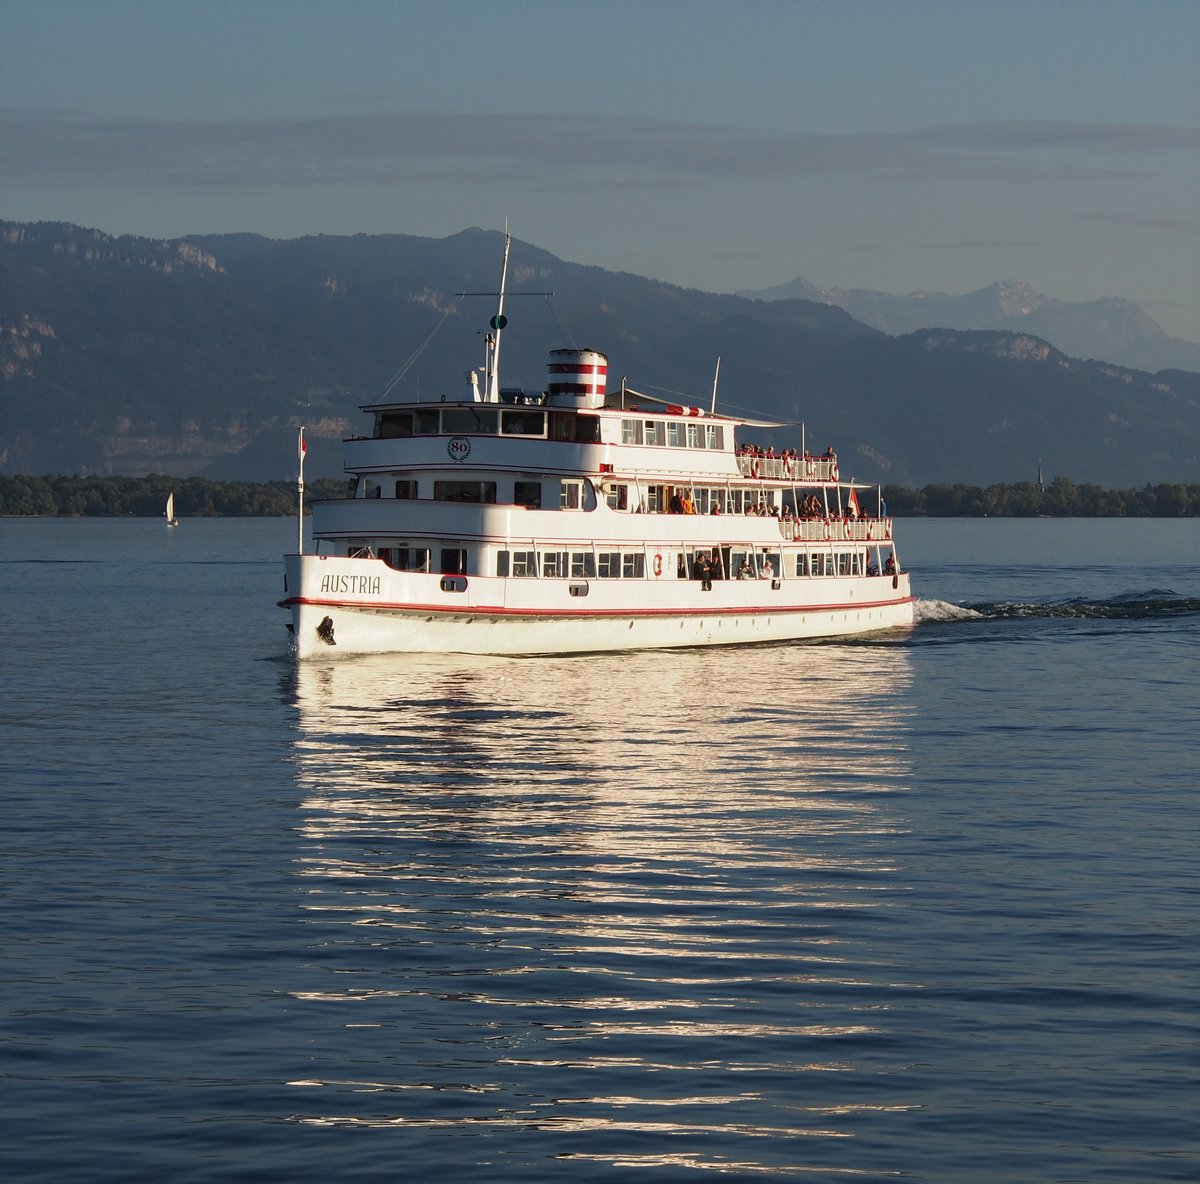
388,611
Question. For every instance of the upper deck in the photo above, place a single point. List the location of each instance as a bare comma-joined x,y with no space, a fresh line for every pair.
673,442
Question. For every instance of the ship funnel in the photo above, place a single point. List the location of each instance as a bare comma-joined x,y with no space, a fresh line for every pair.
577,378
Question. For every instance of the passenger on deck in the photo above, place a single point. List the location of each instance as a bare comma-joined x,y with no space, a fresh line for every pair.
768,571
689,506
703,571
675,505
889,568
746,571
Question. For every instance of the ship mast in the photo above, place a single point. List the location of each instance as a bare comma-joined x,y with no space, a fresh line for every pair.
498,322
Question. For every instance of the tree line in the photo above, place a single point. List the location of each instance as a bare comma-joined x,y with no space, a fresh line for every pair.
1061,498
145,497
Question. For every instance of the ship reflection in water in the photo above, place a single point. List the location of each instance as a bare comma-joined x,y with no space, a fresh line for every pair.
636,909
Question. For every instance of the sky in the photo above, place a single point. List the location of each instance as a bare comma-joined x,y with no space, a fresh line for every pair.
898,145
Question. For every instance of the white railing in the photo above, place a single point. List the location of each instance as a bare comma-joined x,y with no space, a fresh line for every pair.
789,468
816,530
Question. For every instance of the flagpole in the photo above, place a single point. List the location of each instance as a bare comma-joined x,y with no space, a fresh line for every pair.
301,449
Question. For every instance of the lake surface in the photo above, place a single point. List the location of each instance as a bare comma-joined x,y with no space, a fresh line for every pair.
922,907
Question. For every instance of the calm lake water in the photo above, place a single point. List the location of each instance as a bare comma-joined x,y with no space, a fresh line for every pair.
921,907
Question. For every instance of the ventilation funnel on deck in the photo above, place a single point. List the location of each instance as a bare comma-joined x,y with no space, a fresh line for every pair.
577,378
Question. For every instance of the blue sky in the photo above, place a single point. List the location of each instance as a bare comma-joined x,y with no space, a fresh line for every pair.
901,145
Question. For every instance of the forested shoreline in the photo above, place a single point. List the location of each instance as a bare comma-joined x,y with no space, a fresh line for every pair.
198,497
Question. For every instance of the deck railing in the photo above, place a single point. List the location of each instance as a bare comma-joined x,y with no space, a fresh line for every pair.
789,468
816,530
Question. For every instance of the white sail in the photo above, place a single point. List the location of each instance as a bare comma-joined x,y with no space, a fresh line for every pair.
170,511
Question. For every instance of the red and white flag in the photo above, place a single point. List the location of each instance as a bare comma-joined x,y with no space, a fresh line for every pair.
854,503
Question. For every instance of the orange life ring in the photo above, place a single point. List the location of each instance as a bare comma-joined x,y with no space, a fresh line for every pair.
658,564
833,471
754,467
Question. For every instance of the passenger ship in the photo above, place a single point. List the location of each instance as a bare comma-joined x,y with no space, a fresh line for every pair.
578,519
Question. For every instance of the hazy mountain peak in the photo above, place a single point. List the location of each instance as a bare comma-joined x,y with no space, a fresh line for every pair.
1111,329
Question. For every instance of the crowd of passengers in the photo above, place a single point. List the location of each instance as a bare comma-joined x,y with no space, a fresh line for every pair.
681,502
786,454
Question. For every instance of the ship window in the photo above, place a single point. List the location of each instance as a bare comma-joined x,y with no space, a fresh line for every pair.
465,491
714,436
528,494
524,563
583,563
617,496
654,431
802,565
454,561
675,435
406,490
412,559
390,425
562,425
425,423
695,435
477,421
372,488
587,429
554,564
359,549
655,501
523,423
608,565
631,431
570,495
819,565
633,567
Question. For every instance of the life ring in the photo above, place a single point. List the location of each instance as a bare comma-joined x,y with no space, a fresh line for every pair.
787,466
833,471
658,564
828,531
870,531
847,528
754,467
887,529
810,467
674,409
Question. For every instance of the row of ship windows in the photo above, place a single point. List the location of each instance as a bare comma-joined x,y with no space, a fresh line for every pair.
475,420
726,562
653,499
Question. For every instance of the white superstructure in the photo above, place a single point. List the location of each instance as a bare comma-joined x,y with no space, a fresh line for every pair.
577,519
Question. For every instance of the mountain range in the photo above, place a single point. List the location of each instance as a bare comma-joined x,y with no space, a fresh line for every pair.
1112,329
202,355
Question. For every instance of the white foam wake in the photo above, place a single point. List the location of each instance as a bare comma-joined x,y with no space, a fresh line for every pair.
943,610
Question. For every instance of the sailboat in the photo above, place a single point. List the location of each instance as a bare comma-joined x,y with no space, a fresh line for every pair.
169,513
